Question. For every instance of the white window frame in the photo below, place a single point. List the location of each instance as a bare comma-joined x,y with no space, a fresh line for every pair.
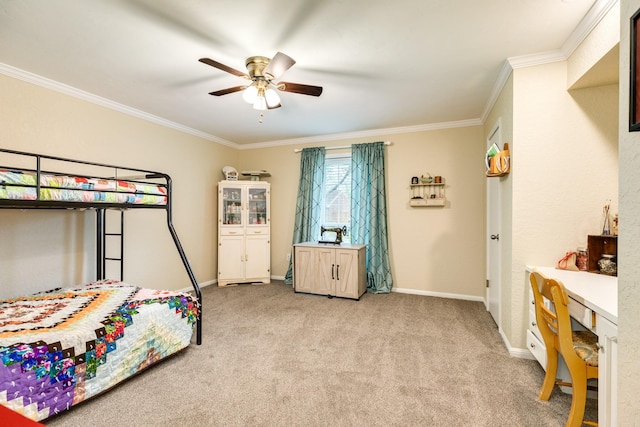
323,221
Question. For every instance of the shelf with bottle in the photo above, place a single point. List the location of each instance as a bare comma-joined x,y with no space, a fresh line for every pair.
232,195
427,194
257,218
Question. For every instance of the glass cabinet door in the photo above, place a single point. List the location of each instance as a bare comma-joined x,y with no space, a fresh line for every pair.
232,205
257,208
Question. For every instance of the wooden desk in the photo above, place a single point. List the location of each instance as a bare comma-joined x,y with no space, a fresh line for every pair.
596,307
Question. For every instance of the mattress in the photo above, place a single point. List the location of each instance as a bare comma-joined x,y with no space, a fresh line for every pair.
62,347
22,185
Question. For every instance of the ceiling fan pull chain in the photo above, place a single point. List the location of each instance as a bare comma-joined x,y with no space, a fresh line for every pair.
260,117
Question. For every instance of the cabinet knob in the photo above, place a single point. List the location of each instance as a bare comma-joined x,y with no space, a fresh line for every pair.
533,323
532,345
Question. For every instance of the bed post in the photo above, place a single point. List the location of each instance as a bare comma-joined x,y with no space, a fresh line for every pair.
185,261
99,244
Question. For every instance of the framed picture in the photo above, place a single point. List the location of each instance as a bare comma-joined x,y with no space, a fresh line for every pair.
634,92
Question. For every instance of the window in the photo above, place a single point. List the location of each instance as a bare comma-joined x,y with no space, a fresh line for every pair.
336,205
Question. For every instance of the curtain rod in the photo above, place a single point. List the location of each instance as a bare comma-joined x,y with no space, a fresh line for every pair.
297,150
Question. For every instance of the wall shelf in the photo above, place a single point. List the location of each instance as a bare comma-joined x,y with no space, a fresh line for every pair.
431,194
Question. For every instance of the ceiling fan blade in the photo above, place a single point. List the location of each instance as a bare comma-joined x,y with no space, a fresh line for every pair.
223,67
274,107
278,65
227,91
300,88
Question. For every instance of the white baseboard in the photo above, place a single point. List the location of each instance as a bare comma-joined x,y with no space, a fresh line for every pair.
520,353
437,294
202,285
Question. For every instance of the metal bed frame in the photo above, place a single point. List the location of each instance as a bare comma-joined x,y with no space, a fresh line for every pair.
143,176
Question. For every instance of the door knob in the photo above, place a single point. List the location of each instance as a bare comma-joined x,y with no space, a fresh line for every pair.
495,237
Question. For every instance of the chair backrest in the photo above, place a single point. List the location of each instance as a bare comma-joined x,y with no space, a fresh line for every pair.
545,317
553,319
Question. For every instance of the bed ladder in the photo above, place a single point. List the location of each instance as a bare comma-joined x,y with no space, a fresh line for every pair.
101,243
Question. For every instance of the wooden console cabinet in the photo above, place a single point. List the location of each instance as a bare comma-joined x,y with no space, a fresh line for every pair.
332,270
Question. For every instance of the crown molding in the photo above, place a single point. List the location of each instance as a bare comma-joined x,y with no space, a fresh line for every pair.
503,76
28,77
363,134
597,12
579,34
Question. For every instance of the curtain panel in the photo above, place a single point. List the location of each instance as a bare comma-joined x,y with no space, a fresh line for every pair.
308,204
369,213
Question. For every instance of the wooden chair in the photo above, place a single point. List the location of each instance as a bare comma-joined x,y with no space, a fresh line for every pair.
579,349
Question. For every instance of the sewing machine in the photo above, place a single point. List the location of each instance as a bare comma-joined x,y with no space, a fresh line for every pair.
339,232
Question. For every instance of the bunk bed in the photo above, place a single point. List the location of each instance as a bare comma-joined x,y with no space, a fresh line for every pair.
62,346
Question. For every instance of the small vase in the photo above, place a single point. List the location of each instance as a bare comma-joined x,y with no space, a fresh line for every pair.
606,225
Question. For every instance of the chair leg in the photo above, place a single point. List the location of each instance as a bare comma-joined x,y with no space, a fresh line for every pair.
550,376
578,400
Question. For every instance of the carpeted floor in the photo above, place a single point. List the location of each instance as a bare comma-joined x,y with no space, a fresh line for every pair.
271,357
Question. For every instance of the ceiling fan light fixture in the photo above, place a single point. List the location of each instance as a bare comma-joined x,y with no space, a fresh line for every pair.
260,102
272,97
250,94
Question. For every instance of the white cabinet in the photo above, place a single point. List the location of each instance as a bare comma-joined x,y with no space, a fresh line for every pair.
333,270
607,371
244,235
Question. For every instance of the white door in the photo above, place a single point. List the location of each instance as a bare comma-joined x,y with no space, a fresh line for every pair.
494,252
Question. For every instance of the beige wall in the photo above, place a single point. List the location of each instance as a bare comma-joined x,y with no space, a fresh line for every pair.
427,245
43,249
432,250
564,152
565,169
629,241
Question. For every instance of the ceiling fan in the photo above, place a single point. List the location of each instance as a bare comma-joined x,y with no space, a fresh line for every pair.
262,71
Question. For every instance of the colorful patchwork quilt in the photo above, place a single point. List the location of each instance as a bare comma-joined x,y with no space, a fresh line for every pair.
21,185
61,347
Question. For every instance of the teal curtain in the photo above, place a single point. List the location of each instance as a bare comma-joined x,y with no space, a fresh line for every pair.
369,213
308,204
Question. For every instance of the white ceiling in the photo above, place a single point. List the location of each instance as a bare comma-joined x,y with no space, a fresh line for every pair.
383,64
